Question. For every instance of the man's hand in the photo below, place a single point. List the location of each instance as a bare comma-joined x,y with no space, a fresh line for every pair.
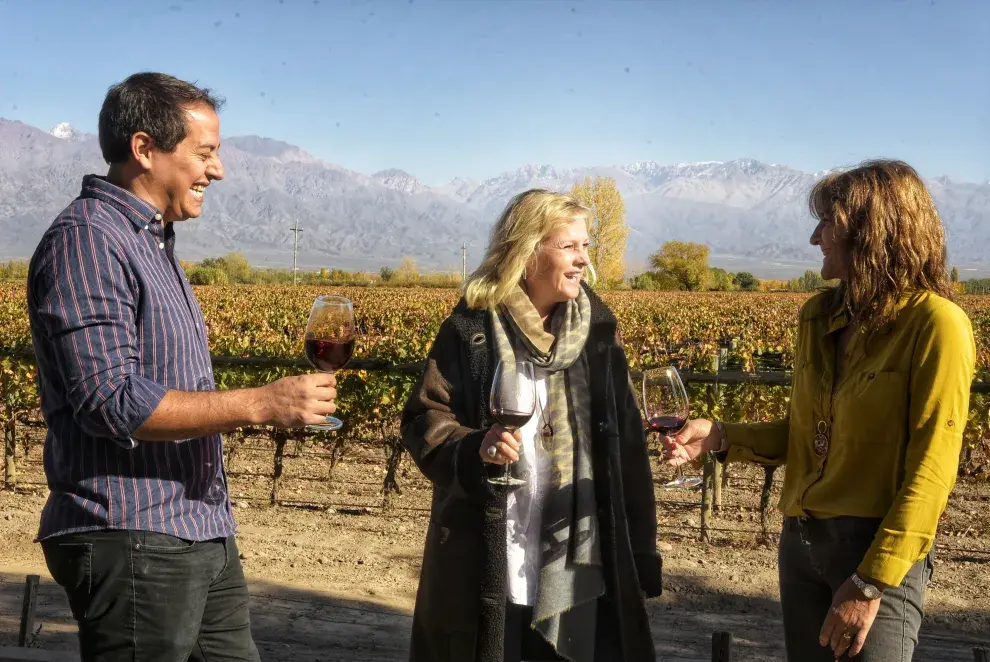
849,620
696,438
295,402
506,445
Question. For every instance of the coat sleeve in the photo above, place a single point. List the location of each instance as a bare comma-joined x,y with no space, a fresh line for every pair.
637,480
433,424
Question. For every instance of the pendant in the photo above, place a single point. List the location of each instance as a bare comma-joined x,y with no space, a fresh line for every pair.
546,437
821,440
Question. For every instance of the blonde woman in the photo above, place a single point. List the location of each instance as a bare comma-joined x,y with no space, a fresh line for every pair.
558,568
882,374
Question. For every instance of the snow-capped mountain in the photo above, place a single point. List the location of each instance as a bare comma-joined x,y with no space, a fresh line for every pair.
752,214
399,180
66,131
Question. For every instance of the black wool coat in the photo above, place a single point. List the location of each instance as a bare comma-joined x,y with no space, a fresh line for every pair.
460,603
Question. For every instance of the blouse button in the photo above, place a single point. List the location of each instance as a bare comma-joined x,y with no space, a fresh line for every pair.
951,423
161,245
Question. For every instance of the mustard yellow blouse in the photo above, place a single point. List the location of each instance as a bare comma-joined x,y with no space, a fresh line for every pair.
897,426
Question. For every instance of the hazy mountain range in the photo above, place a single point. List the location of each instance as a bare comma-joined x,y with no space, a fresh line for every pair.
752,214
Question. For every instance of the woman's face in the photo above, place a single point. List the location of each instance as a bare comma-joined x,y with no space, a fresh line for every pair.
834,243
554,273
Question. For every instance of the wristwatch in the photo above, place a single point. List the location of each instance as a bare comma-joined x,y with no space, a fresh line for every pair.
869,590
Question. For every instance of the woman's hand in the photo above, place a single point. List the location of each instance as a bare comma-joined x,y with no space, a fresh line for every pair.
696,438
506,445
849,620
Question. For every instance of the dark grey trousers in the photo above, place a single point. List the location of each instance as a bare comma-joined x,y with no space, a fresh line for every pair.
815,558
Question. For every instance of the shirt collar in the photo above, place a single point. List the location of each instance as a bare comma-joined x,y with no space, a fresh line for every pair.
143,214
841,317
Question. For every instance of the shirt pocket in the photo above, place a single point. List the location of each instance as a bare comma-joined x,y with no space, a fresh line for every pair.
877,408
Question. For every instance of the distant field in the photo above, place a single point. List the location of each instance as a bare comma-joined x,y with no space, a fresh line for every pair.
397,325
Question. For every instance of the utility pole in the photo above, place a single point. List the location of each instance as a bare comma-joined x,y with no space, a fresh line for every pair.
295,249
463,262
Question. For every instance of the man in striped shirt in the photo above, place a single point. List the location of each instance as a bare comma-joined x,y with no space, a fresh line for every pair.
138,526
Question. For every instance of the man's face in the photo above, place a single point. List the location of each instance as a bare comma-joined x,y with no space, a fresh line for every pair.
183,175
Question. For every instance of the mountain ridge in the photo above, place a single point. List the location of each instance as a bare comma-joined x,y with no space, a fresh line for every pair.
746,210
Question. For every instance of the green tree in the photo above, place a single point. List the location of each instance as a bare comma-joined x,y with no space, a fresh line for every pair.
407,270
608,227
685,262
747,282
719,280
386,273
208,276
954,275
237,267
656,281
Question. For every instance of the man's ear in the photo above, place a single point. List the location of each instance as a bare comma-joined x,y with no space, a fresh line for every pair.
142,146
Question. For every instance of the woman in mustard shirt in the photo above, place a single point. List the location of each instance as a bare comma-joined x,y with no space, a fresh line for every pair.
882,374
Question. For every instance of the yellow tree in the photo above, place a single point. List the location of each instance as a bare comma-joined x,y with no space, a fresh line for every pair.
608,227
686,262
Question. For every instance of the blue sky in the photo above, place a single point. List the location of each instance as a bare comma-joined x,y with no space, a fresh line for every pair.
472,88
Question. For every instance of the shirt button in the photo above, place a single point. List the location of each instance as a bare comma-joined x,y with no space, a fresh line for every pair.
158,217
161,245
951,423
146,227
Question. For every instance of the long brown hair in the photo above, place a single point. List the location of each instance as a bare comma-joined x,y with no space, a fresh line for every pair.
896,238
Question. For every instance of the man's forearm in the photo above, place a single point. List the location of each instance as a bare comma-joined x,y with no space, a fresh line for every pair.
191,414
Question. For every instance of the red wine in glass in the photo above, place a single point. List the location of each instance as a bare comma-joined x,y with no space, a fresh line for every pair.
329,355
329,341
511,420
665,425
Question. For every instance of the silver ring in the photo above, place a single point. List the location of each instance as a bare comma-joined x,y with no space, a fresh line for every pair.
492,451
327,419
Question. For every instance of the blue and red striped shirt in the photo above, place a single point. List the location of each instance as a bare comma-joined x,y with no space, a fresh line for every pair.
116,326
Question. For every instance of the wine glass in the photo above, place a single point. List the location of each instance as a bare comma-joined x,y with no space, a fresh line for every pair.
329,341
666,409
513,403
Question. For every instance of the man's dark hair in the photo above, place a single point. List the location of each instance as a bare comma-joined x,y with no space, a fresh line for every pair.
153,103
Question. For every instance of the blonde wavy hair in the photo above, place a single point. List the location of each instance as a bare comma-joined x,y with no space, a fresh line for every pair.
527,221
896,238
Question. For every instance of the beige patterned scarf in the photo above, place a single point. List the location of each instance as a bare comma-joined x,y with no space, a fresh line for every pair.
571,578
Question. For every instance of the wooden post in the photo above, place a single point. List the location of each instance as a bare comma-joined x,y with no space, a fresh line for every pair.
27,610
281,436
722,647
9,439
765,505
718,470
708,473
9,456
981,655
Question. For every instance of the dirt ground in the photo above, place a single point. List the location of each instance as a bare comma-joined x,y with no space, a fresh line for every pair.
333,574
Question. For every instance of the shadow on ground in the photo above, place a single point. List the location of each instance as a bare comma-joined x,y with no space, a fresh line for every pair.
303,625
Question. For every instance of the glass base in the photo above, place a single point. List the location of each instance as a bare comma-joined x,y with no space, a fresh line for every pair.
506,481
684,483
333,423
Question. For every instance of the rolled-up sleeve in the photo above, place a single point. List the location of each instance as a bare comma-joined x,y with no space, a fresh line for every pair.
942,372
87,309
